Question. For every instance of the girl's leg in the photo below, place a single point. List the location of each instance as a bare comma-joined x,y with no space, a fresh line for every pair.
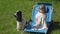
44,26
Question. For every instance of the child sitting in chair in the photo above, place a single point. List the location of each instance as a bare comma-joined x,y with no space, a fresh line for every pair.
41,18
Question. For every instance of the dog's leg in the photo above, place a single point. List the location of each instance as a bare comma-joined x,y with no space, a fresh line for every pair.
18,25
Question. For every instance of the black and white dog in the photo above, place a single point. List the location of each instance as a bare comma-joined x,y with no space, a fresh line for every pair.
20,20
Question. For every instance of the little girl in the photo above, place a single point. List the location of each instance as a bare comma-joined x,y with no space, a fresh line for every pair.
41,18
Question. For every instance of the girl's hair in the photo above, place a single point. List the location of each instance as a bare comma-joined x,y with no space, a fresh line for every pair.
42,7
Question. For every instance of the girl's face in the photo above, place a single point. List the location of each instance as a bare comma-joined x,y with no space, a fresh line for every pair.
40,10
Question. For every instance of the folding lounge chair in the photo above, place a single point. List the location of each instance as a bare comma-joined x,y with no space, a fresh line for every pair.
48,18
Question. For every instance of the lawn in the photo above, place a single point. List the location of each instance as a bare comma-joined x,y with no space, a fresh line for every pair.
9,7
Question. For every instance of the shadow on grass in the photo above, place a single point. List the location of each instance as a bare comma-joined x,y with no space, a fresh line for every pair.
54,26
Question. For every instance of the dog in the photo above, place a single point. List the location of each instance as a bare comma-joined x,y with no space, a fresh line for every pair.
20,20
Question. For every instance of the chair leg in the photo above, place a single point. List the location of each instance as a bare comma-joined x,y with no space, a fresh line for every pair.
45,33
23,31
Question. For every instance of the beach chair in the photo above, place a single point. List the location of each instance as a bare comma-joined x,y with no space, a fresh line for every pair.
49,12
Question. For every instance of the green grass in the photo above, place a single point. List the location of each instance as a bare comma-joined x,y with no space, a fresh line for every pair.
9,7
